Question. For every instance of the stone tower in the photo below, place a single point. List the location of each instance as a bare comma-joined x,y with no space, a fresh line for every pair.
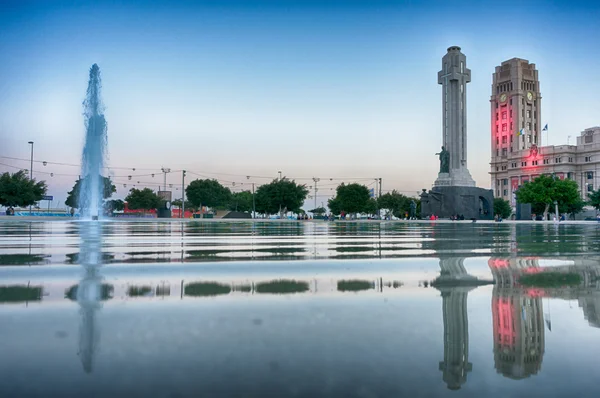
454,77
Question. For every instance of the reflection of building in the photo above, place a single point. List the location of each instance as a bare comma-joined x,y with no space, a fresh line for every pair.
518,333
456,337
591,309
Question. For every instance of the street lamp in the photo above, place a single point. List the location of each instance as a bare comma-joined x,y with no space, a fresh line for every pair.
31,169
279,175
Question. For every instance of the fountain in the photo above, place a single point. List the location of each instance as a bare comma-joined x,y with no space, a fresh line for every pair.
92,187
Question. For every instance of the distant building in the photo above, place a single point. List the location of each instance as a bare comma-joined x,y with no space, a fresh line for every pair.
516,131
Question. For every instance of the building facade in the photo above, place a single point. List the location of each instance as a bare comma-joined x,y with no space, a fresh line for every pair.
517,155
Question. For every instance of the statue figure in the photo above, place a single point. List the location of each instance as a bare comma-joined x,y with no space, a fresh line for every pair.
413,210
444,156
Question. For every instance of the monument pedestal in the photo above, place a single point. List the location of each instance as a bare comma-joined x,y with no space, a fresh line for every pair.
446,201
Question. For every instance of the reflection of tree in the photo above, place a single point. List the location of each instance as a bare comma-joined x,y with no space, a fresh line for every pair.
75,258
20,293
136,291
199,289
354,285
282,287
455,365
106,292
22,259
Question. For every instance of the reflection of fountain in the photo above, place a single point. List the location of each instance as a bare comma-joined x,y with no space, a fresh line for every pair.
89,291
92,187
456,337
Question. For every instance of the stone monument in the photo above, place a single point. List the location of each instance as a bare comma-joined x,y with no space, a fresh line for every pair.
454,191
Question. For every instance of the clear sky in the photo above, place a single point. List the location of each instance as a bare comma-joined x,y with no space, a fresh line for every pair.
326,89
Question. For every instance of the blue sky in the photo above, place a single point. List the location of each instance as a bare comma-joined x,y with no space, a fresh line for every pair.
326,89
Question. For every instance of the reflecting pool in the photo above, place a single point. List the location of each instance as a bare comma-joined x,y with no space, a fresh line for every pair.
298,309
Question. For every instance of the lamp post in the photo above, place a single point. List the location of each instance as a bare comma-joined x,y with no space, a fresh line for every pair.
182,194
279,175
31,169
556,210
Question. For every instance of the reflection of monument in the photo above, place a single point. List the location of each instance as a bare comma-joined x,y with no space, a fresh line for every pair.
454,273
456,337
454,190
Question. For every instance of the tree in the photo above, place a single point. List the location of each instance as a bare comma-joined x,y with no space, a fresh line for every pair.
114,205
396,202
188,204
73,195
318,211
351,198
241,201
18,190
544,190
502,207
143,199
208,193
280,195
594,199
371,206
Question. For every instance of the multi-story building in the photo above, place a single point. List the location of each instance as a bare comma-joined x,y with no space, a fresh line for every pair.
516,131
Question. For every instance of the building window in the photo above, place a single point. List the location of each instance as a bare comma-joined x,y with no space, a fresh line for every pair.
497,116
528,114
462,67
588,158
535,139
505,181
498,182
513,164
496,168
558,160
529,138
534,162
570,160
569,176
589,138
504,127
503,151
504,115
528,126
523,164
590,175
504,139
590,187
511,138
497,152
505,192
546,161
497,141
497,129
497,192
511,126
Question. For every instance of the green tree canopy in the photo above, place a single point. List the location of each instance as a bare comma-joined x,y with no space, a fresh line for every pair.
594,199
114,205
397,203
188,204
335,206
241,201
208,193
502,207
18,190
318,211
351,198
544,190
143,199
284,195
73,195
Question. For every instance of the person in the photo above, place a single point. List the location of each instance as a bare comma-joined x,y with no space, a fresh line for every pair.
72,212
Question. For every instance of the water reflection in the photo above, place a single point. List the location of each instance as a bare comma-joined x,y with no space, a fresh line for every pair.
455,365
20,293
90,291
